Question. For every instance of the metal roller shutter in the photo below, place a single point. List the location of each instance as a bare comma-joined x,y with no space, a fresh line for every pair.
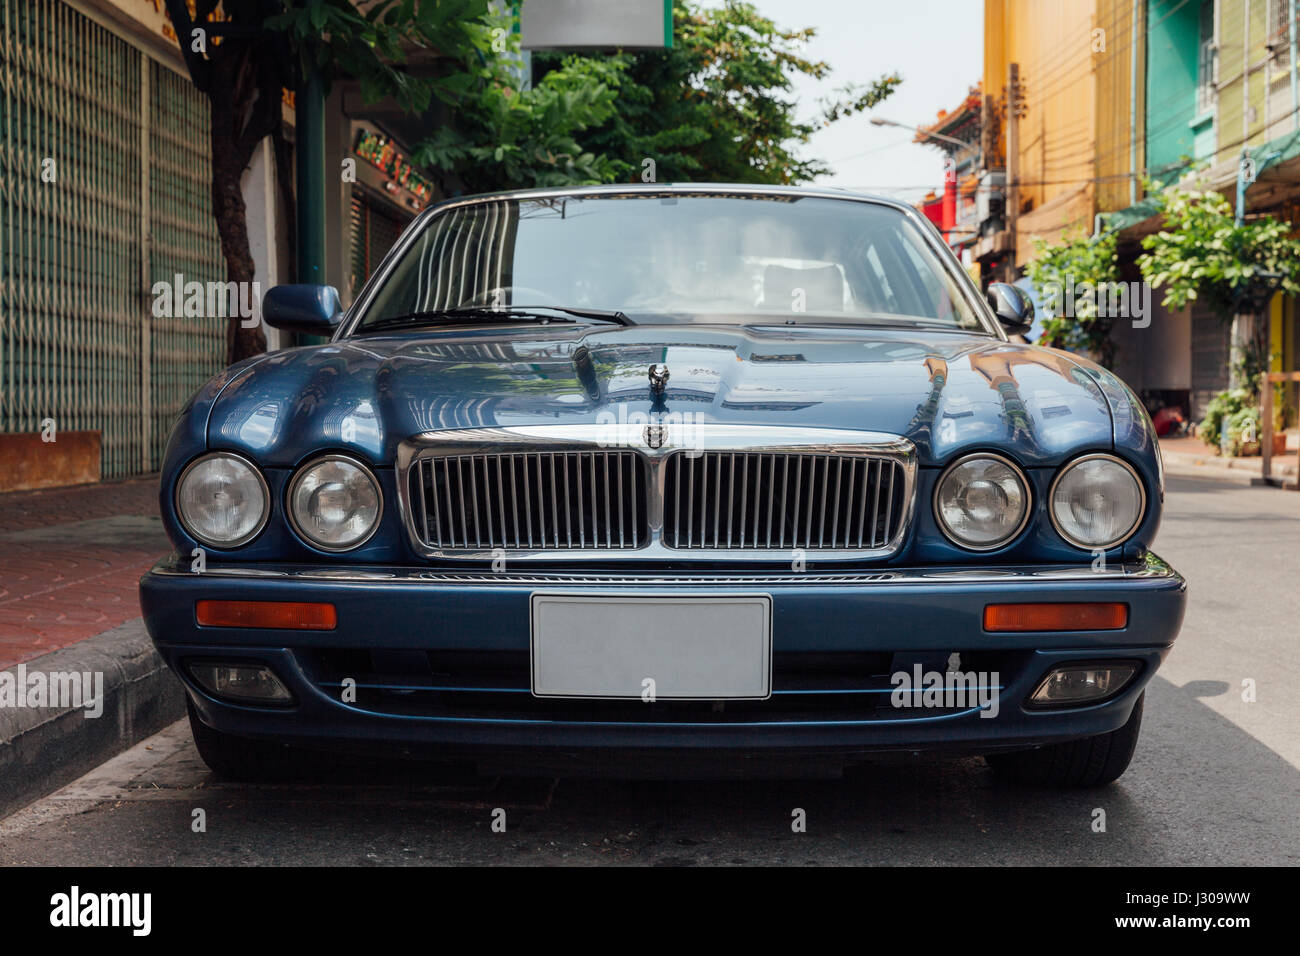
375,227
100,147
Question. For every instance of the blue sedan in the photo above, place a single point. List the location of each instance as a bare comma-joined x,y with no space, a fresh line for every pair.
707,479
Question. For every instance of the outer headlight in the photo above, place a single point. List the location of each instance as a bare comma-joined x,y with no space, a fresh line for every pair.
222,500
1097,501
982,502
335,503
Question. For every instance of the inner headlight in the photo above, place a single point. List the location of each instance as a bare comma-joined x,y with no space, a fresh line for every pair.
1097,502
982,502
335,503
222,500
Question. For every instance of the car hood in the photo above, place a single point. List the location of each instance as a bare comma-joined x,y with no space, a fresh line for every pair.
947,392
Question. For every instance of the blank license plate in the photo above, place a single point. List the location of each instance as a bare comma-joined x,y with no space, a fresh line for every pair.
702,647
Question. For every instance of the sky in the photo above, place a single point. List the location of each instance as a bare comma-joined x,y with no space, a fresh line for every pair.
937,46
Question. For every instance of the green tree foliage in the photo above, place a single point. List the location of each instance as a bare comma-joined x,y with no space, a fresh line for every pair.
242,53
1201,253
718,106
497,137
1076,268
408,50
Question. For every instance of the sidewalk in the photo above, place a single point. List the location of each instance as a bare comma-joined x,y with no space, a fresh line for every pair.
71,558
1192,458
70,563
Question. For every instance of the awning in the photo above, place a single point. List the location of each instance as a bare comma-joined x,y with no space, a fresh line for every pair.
1262,194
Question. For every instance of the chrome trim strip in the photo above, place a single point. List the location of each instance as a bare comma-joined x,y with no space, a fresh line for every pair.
1151,568
762,439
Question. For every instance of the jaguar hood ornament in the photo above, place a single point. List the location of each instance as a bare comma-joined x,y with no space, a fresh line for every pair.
658,378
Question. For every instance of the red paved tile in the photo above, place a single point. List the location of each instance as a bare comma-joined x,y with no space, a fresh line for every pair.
23,510
17,633
68,569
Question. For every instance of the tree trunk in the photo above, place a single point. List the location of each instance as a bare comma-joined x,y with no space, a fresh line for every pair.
232,226
1248,355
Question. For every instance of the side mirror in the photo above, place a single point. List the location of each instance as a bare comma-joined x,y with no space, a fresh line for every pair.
311,309
1011,304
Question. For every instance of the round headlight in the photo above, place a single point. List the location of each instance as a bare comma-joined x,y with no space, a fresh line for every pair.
1097,502
982,502
222,500
335,503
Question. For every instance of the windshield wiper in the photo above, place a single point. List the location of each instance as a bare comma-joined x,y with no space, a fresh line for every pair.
531,313
871,321
603,315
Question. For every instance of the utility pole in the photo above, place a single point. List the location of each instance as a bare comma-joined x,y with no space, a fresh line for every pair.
1135,47
309,152
1295,85
1245,176
1014,112
988,141
309,172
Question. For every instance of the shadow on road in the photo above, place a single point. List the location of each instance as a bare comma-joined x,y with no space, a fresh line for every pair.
1199,791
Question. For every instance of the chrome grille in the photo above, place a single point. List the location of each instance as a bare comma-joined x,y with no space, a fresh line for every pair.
531,500
568,491
762,500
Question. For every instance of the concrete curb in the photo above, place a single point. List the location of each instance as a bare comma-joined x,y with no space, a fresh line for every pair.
1242,471
1236,476
43,748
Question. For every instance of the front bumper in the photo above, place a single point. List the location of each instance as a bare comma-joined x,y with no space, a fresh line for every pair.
440,658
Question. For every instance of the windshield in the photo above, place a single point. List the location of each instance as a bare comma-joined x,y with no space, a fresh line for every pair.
678,257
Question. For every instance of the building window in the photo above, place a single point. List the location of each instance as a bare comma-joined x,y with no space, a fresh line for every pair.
1205,59
1279,33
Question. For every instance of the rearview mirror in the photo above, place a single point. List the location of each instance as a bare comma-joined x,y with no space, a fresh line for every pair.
1011,304
311,309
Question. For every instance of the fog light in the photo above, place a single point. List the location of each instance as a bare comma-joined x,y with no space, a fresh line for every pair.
1082,684
242,682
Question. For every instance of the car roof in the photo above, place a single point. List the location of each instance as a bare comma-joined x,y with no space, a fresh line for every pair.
681,189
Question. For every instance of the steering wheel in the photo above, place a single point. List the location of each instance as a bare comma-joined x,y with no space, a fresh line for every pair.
486,297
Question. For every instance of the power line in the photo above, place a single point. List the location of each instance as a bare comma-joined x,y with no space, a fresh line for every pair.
1063,72
1125,143
876,149
1060,73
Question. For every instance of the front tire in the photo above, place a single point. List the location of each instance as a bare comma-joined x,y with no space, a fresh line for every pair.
243,758
1090,762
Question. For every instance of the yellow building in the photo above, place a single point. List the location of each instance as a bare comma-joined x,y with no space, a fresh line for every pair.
1079,118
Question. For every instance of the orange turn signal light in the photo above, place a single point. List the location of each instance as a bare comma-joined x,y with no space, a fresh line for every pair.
286,615
1055,617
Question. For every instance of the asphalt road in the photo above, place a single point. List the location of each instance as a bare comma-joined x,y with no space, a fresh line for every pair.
1216,779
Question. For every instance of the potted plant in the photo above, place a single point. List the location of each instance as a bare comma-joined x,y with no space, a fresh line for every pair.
1225,425
1243,432
1284,416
